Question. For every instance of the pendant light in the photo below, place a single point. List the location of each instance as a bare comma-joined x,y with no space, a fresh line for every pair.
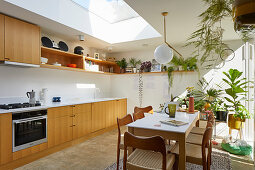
164,53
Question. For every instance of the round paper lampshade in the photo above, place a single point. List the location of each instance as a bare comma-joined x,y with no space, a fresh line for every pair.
163,54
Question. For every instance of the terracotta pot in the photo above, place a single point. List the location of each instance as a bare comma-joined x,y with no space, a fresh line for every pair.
122,70
235,123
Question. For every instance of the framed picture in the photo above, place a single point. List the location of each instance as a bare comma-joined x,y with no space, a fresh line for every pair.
96,55
156,68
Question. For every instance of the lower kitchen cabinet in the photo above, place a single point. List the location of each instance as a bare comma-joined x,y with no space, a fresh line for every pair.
121,108
81,120
98,116
60,125
29,151
5,138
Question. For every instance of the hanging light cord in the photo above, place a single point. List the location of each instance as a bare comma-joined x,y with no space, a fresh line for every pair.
164,15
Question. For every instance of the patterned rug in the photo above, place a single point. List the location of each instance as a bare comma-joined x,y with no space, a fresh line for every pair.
220,161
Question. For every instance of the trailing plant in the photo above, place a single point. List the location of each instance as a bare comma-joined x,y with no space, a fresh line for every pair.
170,76
236,92
133,62
122,63
208,38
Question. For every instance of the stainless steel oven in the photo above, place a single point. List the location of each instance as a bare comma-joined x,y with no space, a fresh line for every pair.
29,129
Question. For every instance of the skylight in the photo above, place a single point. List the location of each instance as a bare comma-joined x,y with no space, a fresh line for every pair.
112,11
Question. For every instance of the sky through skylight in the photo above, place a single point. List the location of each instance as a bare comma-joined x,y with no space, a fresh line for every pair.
112,11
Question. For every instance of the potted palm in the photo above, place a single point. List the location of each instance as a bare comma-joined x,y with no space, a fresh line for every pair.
235,93
133,62
122,64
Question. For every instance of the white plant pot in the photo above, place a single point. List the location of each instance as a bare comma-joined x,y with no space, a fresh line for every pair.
134,70
180,68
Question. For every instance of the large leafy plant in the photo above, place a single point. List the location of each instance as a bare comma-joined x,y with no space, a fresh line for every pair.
236,92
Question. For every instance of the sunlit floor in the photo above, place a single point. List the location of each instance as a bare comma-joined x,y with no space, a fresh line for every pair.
97,154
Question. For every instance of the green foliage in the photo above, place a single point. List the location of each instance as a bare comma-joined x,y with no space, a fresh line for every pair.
236,92
170,77
188,64
208,38
122,63
133,62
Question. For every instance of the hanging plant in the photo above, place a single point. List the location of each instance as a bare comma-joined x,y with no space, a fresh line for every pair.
170,76
208,38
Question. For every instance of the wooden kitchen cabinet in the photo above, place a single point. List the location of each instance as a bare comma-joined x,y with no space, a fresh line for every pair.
98,116
81,120
60,125
22,41
121,108
5,138
1,37
111,118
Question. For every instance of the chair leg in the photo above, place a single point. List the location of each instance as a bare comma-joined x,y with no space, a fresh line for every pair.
118,158
176,163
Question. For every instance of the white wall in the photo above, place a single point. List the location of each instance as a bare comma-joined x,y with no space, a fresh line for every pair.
15,82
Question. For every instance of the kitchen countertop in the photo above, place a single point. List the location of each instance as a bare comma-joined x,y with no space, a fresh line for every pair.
51,105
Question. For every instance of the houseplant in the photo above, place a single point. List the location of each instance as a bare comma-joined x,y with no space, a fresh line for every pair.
235,94
181,64
146,66
122,64
133,62
219,109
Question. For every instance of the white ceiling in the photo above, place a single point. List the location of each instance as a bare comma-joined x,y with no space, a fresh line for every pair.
182,20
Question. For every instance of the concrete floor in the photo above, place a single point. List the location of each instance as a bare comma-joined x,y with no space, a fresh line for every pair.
94,154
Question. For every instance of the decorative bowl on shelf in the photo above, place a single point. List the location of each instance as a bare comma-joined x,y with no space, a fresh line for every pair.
56,64
44,60
72,65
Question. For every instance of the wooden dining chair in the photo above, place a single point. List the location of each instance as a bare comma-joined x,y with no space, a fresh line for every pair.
120,145
200,155
197,139
147,109
200,130
150,153
138,115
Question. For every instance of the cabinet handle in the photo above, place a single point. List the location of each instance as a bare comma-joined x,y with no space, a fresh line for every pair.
72,126
72,116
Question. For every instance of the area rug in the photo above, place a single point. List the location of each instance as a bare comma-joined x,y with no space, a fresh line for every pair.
220,161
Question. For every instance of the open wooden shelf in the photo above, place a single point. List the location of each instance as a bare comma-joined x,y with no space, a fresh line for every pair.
100,61
59,52
73,69
164,72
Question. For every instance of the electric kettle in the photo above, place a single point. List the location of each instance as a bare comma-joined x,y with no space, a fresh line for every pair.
31,96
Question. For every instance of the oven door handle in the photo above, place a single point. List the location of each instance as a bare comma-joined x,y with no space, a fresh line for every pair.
29,119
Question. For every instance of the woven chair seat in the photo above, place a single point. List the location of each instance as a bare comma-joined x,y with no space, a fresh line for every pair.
148,160
194,139
198,130
193,153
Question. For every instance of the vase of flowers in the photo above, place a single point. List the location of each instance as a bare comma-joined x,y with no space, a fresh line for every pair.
146,66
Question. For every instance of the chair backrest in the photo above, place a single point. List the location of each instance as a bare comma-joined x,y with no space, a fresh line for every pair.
211,118
122,122
155,143
207,144
138,115
147,109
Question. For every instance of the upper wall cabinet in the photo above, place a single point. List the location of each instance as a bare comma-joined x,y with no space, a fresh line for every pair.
1,37
22,41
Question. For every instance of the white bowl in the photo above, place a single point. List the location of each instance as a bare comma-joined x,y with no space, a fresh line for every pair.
44,60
